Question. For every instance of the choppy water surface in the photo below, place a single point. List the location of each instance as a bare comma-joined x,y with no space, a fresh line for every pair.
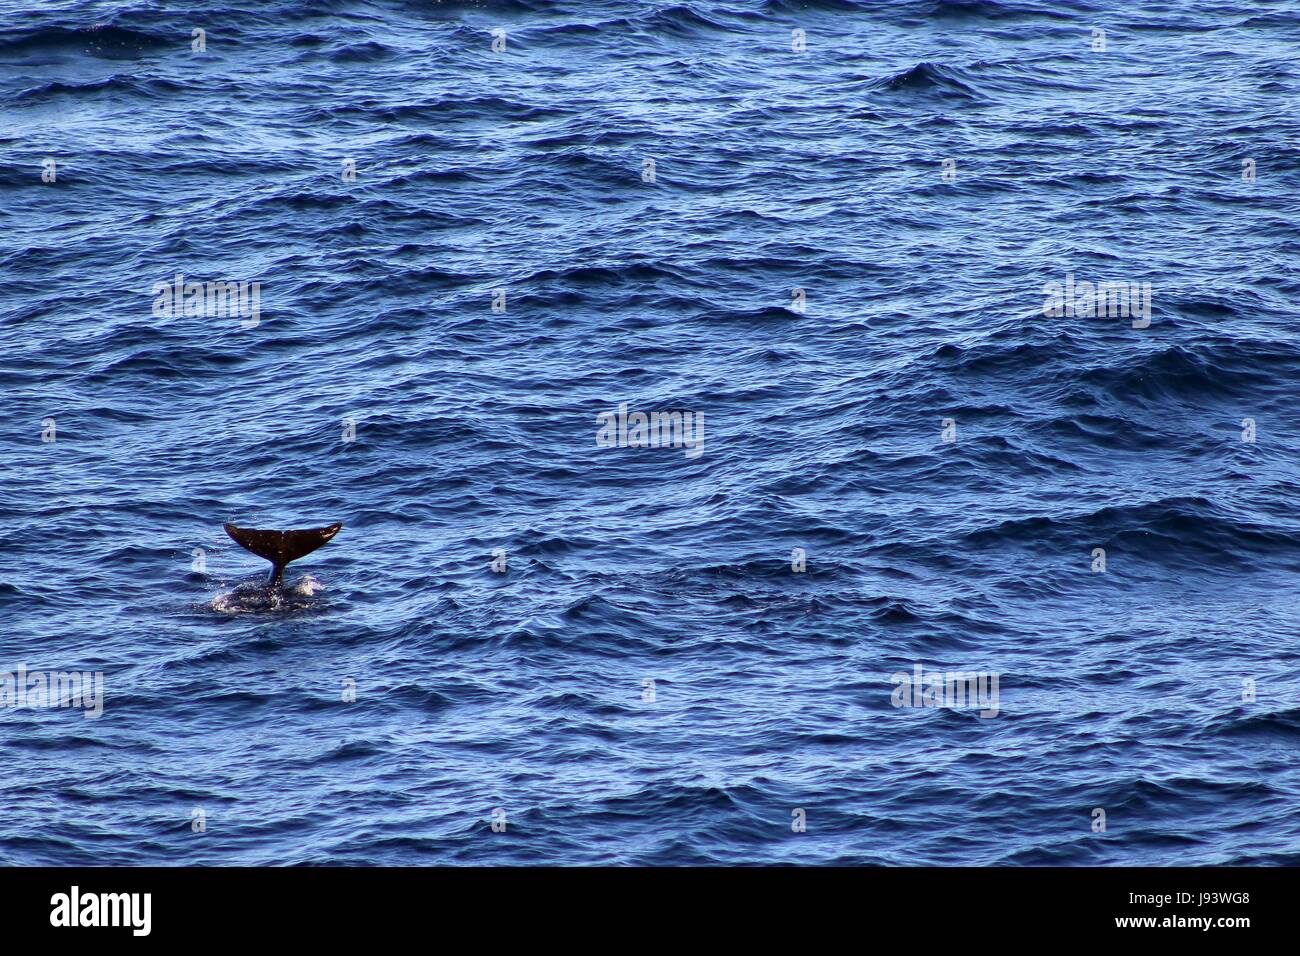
774,170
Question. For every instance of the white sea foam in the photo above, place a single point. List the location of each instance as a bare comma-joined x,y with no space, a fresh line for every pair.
246,598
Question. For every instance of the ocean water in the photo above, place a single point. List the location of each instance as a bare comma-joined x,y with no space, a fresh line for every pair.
839,264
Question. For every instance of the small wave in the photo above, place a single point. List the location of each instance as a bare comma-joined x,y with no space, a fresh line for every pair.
929,80
368,52
679,19
1177,531
1198,370
119,84
994,9
1283,725
105,40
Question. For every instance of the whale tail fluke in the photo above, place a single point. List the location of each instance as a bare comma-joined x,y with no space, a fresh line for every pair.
281,547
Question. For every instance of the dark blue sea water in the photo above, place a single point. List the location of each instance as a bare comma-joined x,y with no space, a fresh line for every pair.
1170,157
